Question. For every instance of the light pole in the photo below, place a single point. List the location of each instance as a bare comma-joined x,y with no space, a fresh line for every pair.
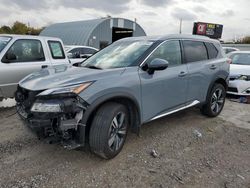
180,31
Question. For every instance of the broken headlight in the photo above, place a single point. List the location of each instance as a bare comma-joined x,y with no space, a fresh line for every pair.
76,89
46,107
243,77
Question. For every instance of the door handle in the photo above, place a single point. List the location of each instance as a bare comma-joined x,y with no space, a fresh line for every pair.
44,66
213,67
182,74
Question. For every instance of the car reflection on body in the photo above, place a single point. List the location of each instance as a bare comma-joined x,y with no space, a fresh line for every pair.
239,83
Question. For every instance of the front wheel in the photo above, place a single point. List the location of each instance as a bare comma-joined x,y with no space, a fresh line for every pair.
109,130
215,101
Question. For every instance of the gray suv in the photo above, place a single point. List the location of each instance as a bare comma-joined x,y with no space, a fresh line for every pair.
129,83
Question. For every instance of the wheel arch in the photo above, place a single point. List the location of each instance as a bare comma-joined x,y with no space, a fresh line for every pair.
219,80
125,99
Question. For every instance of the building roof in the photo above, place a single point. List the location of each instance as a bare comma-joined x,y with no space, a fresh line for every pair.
69,31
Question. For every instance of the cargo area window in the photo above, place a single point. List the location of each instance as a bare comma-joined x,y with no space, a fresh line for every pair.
24,50
194,51
56,50
211,50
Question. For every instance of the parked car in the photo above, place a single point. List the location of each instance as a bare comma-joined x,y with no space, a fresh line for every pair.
129,83
230,49
239,83
78,54
21,55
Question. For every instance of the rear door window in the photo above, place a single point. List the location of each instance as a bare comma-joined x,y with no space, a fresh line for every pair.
56,50
194,51
212,51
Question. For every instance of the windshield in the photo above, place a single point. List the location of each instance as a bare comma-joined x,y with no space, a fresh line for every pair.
3,42
241,59
117,55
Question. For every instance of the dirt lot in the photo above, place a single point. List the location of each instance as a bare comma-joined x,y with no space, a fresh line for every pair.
219,157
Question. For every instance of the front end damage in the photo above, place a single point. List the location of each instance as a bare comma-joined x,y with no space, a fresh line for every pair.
58,118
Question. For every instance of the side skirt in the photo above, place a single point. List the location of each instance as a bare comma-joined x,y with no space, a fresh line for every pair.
177,110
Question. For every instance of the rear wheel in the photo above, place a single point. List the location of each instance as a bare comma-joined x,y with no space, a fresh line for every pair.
215,101
109,130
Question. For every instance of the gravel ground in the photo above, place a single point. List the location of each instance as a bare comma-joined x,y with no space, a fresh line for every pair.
191,151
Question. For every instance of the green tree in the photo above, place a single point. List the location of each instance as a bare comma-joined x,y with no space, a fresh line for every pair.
5,29
19,28
246,40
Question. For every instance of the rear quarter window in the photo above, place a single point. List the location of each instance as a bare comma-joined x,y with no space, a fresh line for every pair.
194,51
56,50
211,50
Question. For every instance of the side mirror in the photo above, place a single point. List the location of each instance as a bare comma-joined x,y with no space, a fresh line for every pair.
9,57
156,65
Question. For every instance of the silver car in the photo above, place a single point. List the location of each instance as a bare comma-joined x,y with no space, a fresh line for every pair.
21,55
129,83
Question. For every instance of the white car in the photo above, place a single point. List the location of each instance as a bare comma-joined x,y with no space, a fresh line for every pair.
228,50
77,54
239,83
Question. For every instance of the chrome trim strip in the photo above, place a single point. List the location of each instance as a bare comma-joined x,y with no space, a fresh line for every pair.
177,110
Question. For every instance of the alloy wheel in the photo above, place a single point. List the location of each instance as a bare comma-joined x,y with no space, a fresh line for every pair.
118,130
217,100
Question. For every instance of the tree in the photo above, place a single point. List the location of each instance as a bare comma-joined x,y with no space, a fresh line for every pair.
19,28
246,40
5,29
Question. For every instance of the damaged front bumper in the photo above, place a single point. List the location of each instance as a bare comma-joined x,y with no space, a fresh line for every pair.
58,118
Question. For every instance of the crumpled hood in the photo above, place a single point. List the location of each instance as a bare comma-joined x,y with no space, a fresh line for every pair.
64,75
239,69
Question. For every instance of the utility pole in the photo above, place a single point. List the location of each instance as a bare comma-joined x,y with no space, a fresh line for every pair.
180,31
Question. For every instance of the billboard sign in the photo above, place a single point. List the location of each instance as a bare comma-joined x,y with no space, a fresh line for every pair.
208,29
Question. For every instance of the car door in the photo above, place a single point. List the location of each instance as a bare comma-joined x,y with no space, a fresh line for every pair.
164,90
202,67
22,58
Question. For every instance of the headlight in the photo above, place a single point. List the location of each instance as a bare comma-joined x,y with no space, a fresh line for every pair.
46,107
247,91
243,77
69,89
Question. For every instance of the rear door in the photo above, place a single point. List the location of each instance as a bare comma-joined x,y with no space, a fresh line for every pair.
164,90
202,67
22,58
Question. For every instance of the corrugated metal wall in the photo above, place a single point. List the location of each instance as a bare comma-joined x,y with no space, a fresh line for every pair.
90,32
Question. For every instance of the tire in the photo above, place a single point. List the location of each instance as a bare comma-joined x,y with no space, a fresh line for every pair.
109,130
215,101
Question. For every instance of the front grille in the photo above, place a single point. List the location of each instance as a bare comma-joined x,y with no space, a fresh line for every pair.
233,89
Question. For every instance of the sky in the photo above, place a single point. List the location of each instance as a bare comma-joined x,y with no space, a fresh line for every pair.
157,17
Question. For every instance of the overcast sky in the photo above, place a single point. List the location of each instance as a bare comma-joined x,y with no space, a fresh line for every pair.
157,17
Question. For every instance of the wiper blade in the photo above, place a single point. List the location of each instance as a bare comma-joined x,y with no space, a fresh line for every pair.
93,67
